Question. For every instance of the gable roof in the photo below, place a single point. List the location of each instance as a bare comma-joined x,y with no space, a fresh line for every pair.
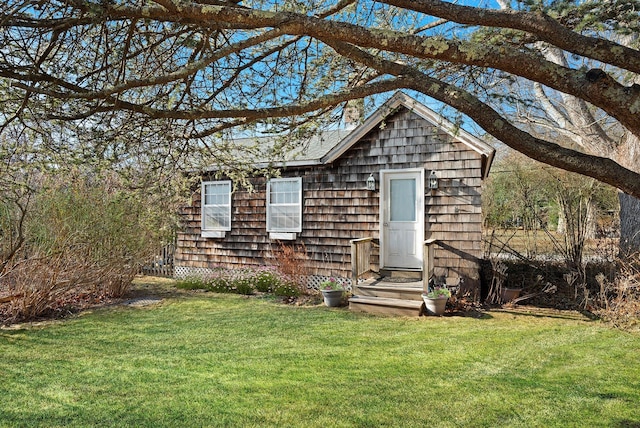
399,99
311,151
327,146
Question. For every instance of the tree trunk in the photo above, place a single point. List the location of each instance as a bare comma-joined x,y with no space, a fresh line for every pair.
629,154
562,224
591,221
629,224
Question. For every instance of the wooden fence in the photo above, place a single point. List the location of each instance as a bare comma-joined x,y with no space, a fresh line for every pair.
162,263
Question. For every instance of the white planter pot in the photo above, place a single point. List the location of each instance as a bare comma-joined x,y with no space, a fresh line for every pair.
332,298
435,306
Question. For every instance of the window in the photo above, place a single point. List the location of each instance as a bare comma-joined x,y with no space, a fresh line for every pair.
284,206
216,208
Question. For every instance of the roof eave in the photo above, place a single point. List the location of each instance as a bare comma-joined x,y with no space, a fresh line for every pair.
290,164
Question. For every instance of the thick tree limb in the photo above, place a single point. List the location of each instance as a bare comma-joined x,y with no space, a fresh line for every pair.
619,101
537,23
200,53
602,169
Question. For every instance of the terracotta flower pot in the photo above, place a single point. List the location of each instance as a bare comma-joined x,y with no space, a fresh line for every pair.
509,294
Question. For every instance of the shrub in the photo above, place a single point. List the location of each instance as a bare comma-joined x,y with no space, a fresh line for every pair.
218,284
290,262
287,289
243,286
266,281
245,281
619,300
82,237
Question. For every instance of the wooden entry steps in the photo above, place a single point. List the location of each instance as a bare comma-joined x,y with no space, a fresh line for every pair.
399,291
401,295
383,306
384,297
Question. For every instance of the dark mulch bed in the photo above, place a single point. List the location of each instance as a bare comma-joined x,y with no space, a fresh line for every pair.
533,276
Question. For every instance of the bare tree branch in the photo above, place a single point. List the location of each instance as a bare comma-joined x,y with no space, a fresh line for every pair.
537,23
203,66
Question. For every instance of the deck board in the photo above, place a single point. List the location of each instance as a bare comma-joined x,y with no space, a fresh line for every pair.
385,306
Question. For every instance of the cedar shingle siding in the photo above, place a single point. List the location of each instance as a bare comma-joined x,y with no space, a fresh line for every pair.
337,207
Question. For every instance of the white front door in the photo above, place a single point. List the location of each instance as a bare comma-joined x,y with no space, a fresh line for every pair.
402,218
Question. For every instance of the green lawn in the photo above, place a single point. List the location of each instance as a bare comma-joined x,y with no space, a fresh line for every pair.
225,360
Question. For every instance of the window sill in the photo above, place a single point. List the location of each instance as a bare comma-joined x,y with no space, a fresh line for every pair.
213,233
282,236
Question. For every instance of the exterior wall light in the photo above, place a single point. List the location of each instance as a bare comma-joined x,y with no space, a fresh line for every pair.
433,181
371,183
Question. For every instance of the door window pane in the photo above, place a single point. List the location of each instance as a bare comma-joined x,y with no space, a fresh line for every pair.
403,199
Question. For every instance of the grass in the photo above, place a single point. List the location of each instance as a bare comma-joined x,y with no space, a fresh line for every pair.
204,359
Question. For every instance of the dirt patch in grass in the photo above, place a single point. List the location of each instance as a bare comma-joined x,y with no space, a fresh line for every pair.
151,286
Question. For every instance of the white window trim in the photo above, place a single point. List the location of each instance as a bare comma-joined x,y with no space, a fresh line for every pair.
284,232
214,232
282,236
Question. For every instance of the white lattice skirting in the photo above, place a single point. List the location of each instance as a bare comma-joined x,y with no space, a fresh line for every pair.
313,281
183,272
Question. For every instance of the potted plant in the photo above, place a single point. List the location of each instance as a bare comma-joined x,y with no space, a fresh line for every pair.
436,300
332,292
